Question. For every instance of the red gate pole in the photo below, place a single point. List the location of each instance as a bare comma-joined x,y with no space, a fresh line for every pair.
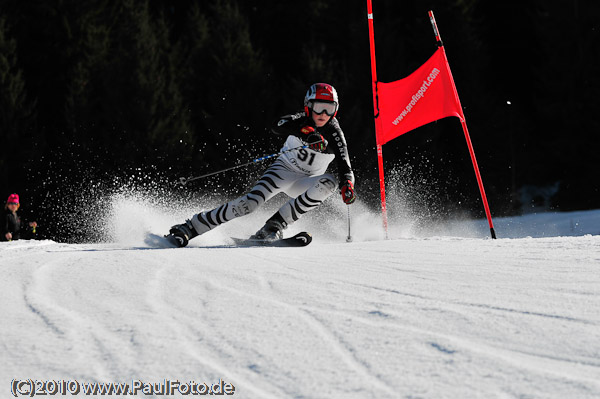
488,215
463,122
376,116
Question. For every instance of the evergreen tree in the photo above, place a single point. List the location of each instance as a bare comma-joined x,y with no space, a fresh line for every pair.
566,91
16,114
225,82
125,88
88,29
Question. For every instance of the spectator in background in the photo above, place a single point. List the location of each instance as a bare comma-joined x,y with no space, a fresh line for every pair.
10,227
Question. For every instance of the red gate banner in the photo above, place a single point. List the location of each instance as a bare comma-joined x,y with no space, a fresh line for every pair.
426,95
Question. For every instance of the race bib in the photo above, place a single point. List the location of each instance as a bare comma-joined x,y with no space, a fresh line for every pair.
304,160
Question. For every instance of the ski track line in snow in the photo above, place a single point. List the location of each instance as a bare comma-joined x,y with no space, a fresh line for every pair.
75,330
482,306
580,371
558,366
37,298
265,278
113,368
590,368
457,304
340,347
264,256
534,362
527,313
190,340
540,361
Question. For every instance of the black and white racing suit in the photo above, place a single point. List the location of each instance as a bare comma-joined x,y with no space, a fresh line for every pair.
302,174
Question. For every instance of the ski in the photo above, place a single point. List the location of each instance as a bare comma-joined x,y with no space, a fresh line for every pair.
156,241
301,239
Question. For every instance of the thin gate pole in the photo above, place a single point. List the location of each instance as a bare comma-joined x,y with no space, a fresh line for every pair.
376,116
463,122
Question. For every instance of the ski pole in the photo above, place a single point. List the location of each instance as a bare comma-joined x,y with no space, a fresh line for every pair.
184,180
349,238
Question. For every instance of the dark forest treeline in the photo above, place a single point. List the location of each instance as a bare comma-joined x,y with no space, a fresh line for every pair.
95,89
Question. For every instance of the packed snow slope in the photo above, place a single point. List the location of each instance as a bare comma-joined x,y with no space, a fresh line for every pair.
452,314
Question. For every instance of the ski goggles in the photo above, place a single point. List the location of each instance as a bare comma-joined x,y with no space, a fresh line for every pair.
319,107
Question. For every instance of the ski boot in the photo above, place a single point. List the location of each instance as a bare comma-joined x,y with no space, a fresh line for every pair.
272,230
181,234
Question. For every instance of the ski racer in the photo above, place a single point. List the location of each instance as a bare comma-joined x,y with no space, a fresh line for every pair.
317,139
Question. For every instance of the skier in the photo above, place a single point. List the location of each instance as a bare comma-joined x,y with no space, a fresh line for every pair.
10,226
301,174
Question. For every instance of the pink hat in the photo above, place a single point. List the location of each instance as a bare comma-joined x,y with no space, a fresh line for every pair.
13,198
